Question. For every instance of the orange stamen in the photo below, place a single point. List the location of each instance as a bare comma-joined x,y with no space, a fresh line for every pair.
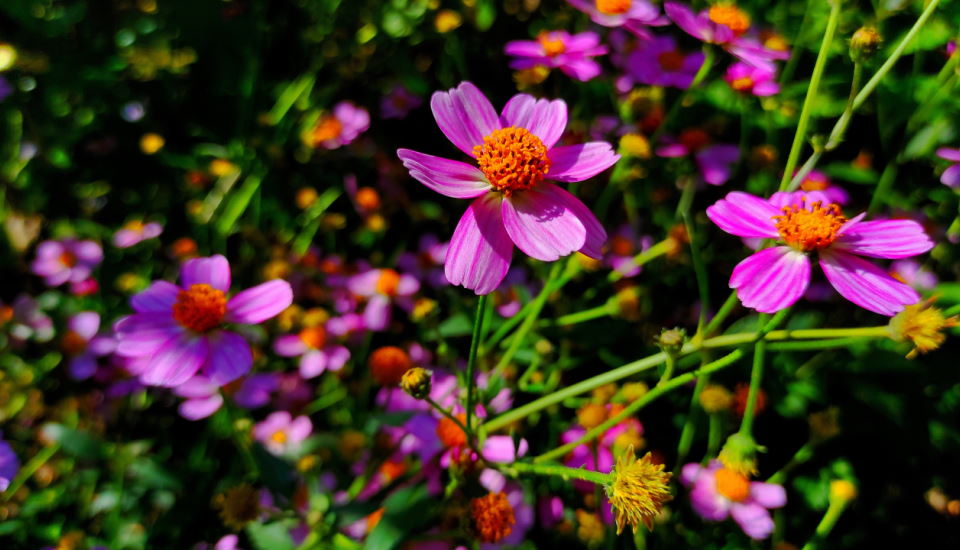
314,337
493,517
200,308
732,485
512,159
72,343
68,259
742,84
731,16
388,282
811,229
613,7
327,128
450,434
551,43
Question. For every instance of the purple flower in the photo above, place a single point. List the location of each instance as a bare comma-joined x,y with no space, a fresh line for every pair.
83,346
282,434
381,288
516,152
913,274
950,176
774,278
255,390
718,493
624,245
398,102
559,50
9,464
180,328
339,128
725,24
66,261
27,320
658,62
634,15
316,353
135,232
745,78
700,25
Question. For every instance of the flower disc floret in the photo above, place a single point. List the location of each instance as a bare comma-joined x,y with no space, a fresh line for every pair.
812,228
731,16
512,159
200,308
314,337
638,491
733,485
493,517
551,43
613,7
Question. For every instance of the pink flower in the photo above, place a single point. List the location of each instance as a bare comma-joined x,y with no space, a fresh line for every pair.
66,261
339,128
950,176
715,161
135,232
315,350
753,80
658,62
725,24
774,278
624,245
559,50
634,15
513,204
282,434
179,329
718,493
9,464
83,346
202,398
382,288
815,187
913,274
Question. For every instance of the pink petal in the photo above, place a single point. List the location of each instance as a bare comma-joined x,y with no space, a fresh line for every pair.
448,177
376,316
197,409
951,176
337,356
768,495
744,215
771,279
947,153
176,361
754,519
259,303
500,448
544,118
480,249
464,115
580,162
865,284
85,324
142,334
542,225
213,271
230,358
886,239
289,345
313,363
158,297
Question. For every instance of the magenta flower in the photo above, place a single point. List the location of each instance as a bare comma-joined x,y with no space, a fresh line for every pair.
315,350
725,24
9,464
83,346
912,273
339,128
701,25
757,81
135,232
516,152
559,50
180,329
774,278
282,434
634,15
426,264
66,261
255,390
382,288
950,176
658,62
718,493
624,245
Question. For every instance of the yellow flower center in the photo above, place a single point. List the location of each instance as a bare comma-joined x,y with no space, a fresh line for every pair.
812,229
613,7
279,436
670,61
732,485
731,16
200,308
314,337
327,128
134,225
742,84
512,159
388,282
551,43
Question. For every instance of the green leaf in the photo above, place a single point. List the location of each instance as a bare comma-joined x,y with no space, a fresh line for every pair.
237,205
75,442
270,536
404,511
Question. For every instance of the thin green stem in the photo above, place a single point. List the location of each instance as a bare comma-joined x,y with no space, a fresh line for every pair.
802,455
651,253
808,101
830,518
529,322
670,366
556,470
721,316
689,426
29,469
604,310
700,271
756,375
702,72
472,359
715,436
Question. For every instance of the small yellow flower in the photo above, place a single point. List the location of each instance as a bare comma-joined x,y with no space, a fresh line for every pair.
715,398
416,382
447,20
305,197
590,528
635,145
151,143
634,390
531,76
222,167
638,490
922,325
842,490
591,415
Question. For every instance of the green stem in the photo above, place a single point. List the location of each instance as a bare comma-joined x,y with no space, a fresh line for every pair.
830,518
671,365
715,436
699,270
806,110
686,434
721,316
756,375
651,253
450,415
472,359
529,321
555,470
609,308
802,455
29,469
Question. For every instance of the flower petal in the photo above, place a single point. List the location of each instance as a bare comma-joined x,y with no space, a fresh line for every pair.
259,303
464,115
886,239
716,162
744,215
85,324
230,358
448,177
142,334
176,361
947,153
951,176
865,284
289,345
544,118
480,249
580,162
213,271
768,495
771,279
542,224
158,297
313,363
754,519
197,409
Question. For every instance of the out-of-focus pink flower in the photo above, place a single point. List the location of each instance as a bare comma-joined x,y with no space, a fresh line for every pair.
950,176
9,464
624,245
339,128
381,288
398,102
727,25
715,161
180,328
774,278
282,434
135,232
26,320
658,62
914,274
426,264
559,50
512,204
255,390
717,493
315,350
66,261
634,15
83,346
757,81
87,287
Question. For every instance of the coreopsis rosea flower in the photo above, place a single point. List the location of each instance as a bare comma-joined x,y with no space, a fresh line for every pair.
727,25
338,128
135,232
83,345
572,54
281,434
717,493
316,349
758,81
180,328
66,261
633,15
513,201
774,278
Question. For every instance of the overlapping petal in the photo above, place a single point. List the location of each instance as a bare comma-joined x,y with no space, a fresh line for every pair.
448,177
569,163
176,361
542,224
892,239
744,215
464,115
213,271
544,118
480,249
771,279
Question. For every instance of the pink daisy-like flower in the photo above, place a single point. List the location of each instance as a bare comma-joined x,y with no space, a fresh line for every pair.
513,204
382,288
715,160
315,350
725,24
180,329
757,81
658,62
774,278
718,493
83,346
135,232
339,128
66,261
634,15
282,434
559,50
950,176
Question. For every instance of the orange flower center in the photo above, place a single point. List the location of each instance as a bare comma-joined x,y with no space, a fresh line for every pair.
613,7
621,246
68,259
392,469
450,434
551,43
327,128
670,61
314,337
732,485
774,41
387,364
388,282
742,84
200,308
279,436
134,225
731,16
72,343
368,199
810,184
694,138
512,159
812,229
492,516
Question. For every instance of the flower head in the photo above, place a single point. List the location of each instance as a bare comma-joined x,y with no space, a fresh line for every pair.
717,492
559,50
135,232
388,365
416,382
633,15
492,517
950,176
922,325
281,434
317,350
66,261
339,127
83,346
758,81
638,490
238,505
659,62
514,203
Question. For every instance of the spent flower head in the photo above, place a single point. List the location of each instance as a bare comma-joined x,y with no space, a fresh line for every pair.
638,490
